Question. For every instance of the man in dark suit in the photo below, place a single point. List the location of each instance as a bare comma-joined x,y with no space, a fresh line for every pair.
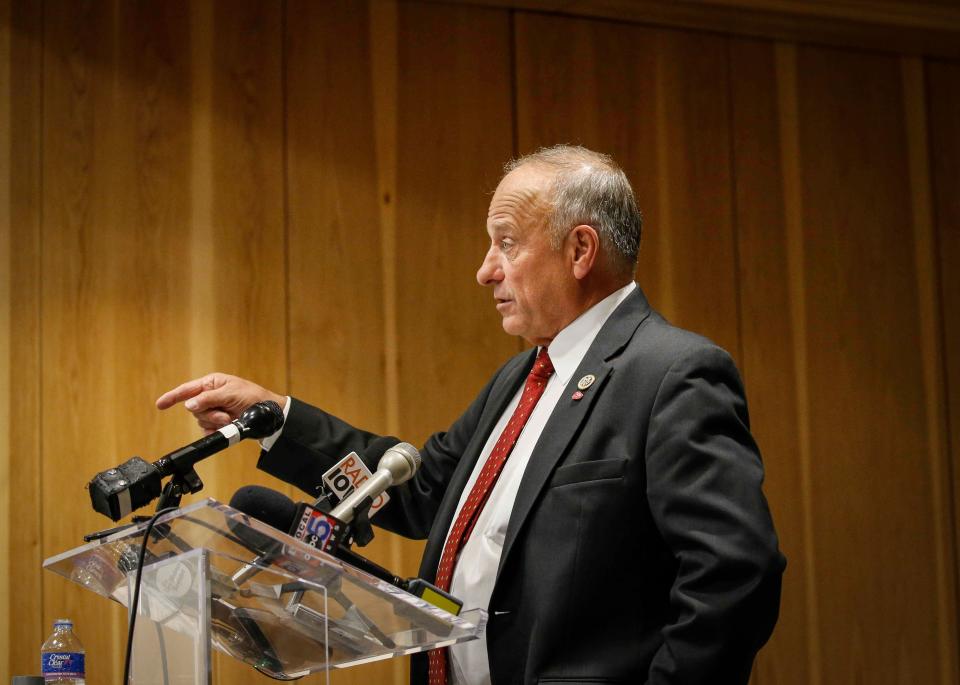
601,497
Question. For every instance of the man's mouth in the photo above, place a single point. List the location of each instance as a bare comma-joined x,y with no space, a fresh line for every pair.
501,303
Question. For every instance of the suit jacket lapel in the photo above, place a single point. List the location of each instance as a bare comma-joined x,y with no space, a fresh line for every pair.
500,395
566,418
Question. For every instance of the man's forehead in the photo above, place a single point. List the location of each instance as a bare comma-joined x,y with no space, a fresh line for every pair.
513,212
520,195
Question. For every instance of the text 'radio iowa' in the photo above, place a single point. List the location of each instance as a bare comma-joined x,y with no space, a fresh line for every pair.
346,475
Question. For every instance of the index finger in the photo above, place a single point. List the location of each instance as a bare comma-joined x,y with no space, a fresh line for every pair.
182,392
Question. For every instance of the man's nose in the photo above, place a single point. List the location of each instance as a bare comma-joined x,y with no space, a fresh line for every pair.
489,271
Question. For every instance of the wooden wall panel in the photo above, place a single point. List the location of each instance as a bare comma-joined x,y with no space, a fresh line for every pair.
247,272
944,111
613,109
698,246
6,159
335,257
23,460
870,455
247,213
6,95
657,101
113,249
340,192
768,337
931,353
454,133
335,260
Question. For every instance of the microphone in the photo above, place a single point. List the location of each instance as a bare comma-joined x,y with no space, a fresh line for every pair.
397,465
299,521
118,491
259,420
264,504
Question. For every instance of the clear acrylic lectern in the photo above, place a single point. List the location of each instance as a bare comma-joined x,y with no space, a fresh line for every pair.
214,577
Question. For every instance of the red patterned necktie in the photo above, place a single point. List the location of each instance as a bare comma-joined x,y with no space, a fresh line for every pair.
467,518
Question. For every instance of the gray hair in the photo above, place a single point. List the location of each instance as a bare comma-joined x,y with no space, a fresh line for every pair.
589,188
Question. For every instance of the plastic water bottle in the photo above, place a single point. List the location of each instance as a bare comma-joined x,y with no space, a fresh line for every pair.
62,656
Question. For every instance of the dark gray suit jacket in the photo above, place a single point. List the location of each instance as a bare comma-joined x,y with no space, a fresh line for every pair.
640,548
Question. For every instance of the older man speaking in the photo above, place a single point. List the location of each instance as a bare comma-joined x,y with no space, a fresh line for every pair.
601,497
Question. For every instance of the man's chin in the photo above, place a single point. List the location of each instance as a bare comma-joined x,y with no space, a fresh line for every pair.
514,328
511,326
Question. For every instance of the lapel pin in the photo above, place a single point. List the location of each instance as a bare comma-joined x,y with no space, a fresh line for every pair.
586,381
578,395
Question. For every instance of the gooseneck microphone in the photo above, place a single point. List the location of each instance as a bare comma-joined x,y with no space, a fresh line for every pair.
118,491
397,465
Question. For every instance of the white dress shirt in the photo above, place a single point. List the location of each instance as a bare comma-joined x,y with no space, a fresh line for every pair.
476,569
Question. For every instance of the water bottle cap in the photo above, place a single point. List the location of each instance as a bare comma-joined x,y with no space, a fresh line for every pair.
63,622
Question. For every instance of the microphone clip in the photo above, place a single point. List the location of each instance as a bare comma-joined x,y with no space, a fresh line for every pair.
359,530
185,481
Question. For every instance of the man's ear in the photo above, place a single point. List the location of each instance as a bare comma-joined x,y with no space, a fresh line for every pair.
584,244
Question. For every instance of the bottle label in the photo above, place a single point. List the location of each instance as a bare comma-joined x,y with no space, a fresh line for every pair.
62,665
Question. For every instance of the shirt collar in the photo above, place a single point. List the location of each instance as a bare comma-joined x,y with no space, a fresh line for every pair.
570,345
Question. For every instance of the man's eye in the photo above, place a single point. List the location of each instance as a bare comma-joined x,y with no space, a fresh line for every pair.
505,245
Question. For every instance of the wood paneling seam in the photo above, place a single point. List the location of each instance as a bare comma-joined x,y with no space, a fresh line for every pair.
734,218
383,62
914,95
514,84
38,289
6,333
202,298
786,69
384,74
943,314
285,190
666,303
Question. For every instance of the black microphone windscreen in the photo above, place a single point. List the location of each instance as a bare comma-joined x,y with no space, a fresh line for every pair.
261,420
272,507
118,491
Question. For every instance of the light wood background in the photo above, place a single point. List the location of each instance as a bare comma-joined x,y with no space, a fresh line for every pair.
296,191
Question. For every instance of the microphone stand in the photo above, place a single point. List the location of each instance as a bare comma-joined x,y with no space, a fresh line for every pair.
185,481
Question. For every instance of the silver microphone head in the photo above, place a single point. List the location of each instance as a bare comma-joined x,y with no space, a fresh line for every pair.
402,460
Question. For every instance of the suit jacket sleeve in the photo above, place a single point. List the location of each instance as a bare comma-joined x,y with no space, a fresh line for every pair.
312,441
704,479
